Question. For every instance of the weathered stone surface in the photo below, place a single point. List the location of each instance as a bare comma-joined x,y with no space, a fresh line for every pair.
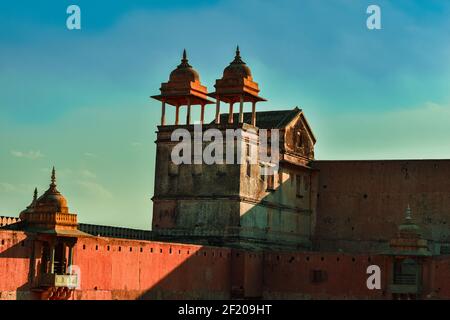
361,203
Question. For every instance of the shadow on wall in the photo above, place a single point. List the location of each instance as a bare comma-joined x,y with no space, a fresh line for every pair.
16,265
265,212
283,216
366,200
203,274
173,271
212,273
273,275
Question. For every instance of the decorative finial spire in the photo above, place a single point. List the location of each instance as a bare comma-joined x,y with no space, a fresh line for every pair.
35,195
237,57
408,213
53,184
184,61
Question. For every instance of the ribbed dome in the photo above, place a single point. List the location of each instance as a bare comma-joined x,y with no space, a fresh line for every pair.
237,68
408,227
52,199
184,72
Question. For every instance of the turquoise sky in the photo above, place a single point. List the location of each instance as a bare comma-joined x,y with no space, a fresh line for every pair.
79,99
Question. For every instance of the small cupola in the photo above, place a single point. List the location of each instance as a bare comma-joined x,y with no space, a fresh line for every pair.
49,211
183,89
236,86
409,239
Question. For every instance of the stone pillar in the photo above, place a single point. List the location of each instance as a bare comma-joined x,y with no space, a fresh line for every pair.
202,113
254,113
163,113
217,110
177,115
241,110
64,260
52,258
230,114
188,114
70,259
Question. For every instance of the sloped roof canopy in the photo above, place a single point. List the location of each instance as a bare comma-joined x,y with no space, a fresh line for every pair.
184,86
271,119
237,81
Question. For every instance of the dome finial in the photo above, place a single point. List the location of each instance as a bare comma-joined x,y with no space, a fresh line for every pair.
237,57
35,194
184,61
53,184
408,213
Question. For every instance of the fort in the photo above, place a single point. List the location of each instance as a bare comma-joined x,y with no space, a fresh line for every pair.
229,231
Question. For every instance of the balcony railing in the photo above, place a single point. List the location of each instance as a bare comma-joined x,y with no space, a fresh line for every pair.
51,218
407,279
405,283
58,280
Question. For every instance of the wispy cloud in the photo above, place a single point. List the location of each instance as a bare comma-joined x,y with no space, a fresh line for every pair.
32,155
95,189
89,155
88,174
16,188
7,187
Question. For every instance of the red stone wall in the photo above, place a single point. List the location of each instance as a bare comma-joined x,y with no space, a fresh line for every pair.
129,269
14,265
309,275
125,269
441,284
361,203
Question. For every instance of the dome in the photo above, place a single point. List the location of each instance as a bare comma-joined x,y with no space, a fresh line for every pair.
408,227
52,199
184,72
237,68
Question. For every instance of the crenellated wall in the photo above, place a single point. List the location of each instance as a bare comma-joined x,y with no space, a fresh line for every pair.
126,269
114,268
4,221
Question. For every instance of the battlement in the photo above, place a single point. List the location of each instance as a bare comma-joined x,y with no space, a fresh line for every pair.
4,221
115,232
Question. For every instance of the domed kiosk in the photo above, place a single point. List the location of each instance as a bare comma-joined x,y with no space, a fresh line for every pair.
410,252
236,85
183,89
54,232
